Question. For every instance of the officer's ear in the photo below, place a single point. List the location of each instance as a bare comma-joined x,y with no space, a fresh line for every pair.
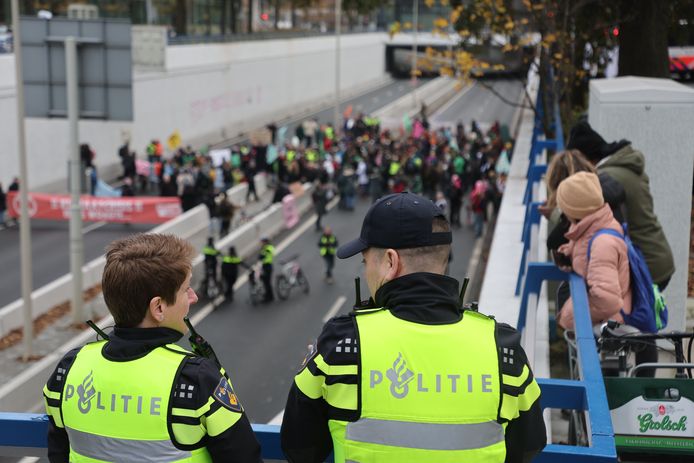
392,264
156,309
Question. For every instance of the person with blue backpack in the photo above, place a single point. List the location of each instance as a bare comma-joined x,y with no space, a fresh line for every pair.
606,272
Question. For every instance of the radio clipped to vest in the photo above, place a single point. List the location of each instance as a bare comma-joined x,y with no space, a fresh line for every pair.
200,345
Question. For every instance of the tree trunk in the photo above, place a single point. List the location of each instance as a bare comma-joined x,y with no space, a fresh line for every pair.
643,39
181,17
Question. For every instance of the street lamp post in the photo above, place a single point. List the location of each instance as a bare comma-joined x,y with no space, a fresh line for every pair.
338,29
24,223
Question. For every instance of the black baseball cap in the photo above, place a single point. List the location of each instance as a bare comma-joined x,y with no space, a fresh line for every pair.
398,221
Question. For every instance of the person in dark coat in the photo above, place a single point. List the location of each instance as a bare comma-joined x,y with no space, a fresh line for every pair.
627,166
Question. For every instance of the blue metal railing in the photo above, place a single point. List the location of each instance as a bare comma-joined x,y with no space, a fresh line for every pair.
587,394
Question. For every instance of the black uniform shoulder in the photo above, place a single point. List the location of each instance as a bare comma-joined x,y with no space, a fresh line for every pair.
57,379
511,353
197,379
338,342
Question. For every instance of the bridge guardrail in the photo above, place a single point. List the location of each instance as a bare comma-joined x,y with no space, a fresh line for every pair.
587,394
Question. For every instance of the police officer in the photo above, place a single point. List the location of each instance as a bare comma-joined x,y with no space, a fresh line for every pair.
328,245
138,396
230,271
266,257
211,254
411,376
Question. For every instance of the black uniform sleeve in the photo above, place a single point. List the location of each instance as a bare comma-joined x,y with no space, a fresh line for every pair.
219,422
305,435
525,432
58,443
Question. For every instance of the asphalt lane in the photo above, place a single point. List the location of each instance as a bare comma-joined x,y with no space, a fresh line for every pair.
262,347
482,104
50,252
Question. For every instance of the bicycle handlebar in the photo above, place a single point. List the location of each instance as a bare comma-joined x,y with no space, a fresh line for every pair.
288,259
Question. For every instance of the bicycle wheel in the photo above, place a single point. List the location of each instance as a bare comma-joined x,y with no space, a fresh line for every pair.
212,289
283,287
302,281
257,294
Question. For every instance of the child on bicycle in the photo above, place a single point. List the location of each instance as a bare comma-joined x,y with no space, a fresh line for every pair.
606,272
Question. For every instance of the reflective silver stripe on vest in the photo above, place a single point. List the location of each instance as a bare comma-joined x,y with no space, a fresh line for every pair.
427,436
123,450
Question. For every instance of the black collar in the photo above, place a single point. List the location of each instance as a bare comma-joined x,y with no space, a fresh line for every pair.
427,298
133,343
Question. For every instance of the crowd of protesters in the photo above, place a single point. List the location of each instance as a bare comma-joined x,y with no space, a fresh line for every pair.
463,170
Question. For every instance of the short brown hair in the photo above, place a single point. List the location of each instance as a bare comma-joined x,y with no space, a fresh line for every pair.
422,259
562,166
141,267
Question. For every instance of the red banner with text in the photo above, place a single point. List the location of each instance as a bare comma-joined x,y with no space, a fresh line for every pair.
135,209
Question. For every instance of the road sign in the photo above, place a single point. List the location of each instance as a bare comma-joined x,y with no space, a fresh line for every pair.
105,67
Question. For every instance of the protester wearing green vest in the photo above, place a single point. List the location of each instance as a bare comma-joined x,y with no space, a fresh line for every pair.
266,257
411,376
328,245
137,396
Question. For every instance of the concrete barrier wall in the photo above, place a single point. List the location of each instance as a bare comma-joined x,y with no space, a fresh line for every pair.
207,92
192,225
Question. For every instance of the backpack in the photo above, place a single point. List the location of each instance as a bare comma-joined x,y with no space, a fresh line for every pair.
648,310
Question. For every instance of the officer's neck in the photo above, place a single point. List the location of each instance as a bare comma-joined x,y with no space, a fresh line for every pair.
421,297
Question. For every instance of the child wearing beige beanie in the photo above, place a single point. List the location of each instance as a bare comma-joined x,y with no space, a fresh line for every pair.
607,273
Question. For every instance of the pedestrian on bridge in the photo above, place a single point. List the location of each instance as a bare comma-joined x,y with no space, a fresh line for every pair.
412,375
136,395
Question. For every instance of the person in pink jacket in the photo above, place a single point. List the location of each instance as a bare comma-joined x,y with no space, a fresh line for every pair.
607,273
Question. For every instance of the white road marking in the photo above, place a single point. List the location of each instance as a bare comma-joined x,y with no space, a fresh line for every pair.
277,420
452,101
29,460
335,308
93,227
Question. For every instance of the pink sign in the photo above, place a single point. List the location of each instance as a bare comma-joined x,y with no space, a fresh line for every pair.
289,211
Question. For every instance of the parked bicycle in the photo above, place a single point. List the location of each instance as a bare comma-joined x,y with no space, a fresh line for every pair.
290,276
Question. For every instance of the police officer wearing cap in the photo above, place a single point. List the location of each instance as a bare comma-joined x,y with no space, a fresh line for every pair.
412,377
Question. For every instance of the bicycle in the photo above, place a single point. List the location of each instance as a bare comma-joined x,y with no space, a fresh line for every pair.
648,414
290,276
211,287
255,286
